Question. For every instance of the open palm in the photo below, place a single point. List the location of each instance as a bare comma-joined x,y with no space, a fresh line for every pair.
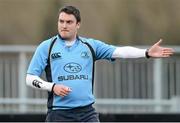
157,51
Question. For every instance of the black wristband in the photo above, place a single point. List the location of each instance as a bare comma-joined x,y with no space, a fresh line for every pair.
147,55
53,87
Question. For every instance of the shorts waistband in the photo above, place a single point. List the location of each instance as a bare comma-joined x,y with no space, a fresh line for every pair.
73,109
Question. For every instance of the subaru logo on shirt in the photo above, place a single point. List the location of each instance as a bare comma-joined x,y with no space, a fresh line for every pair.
56,55
72,67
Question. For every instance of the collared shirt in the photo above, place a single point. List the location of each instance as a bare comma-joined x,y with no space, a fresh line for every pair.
71,66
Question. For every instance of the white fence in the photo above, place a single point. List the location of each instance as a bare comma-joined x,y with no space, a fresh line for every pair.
124,86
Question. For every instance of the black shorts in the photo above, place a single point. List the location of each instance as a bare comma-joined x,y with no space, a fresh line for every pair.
81,114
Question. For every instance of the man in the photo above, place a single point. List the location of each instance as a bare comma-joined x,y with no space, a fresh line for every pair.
69,64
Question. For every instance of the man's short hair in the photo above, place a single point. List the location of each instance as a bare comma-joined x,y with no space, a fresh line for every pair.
71,10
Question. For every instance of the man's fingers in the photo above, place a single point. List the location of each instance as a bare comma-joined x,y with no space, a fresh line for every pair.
62,90
167,51
159,42
65,90
63,93
68,89
166,55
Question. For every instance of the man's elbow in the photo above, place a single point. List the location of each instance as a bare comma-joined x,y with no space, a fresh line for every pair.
28,79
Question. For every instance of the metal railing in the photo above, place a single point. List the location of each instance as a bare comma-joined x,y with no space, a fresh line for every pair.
123,86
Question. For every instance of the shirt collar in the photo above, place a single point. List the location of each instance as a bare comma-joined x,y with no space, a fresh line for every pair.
63,41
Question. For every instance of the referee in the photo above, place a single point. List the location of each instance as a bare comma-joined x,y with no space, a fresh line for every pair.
68,60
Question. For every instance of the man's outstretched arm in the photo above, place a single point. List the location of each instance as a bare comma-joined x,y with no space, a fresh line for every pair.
155,51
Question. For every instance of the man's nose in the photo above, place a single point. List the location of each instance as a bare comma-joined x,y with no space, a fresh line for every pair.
64,25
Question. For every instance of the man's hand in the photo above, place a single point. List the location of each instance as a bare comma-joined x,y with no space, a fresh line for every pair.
157,51
61,90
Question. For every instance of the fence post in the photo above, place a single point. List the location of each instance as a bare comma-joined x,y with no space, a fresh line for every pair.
22,84
175,106
157,79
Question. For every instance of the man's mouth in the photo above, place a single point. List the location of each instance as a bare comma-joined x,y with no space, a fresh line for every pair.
64,31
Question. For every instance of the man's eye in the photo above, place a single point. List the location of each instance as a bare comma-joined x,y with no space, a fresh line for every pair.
61,21
69,22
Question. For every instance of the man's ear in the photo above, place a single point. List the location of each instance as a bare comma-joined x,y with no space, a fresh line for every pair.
78,25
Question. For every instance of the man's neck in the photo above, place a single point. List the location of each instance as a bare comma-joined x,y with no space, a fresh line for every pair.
70,43
70,40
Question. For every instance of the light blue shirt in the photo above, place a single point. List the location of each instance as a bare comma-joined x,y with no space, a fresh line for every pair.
72,67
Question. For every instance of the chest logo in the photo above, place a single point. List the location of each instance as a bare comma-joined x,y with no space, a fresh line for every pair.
72,67
56,55
85,55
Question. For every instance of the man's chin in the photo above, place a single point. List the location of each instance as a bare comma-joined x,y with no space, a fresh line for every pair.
65,37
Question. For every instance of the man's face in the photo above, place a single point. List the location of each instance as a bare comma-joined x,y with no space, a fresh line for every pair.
67,26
